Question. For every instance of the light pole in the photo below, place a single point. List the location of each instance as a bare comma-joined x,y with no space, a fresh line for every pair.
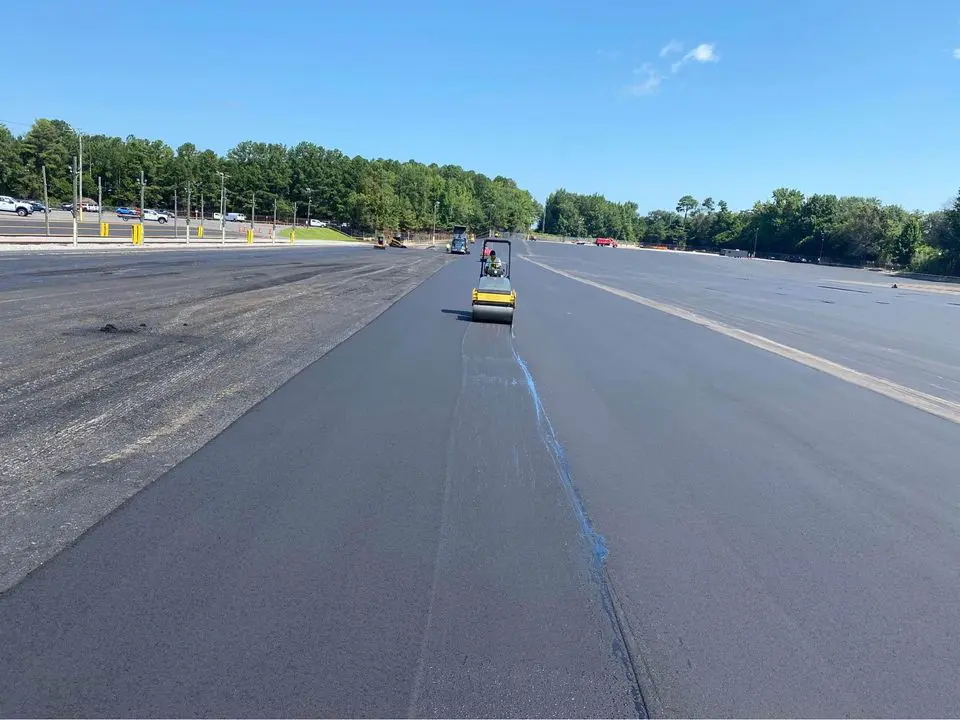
436,207
756,233
188,212
100,199
143,188
223,206
80,179
273,233
74,201
253,208
309,201
46,201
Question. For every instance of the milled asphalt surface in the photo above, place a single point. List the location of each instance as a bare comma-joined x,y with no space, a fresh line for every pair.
87,417
392,531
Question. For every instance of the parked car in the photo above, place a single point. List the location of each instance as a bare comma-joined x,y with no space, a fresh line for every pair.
318,223
66,206
90,207
20,207
160,217
37,206
125,213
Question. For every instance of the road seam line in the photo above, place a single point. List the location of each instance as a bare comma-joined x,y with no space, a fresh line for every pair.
940,407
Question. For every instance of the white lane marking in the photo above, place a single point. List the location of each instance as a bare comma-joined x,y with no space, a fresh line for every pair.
940,407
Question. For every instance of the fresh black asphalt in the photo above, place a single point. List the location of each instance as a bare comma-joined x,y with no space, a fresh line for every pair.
408,527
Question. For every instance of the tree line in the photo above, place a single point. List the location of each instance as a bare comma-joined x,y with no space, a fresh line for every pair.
367,194
849,230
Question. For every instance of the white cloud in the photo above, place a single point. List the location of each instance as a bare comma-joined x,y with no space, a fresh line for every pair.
650,80
956,53
671,47
702,53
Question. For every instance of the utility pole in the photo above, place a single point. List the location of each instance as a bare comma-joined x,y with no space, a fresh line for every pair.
294,228
273,234
188,212
253,208
143,189
100,199
820,257
756,232
175,235
75,201
309,201
46,200
436,207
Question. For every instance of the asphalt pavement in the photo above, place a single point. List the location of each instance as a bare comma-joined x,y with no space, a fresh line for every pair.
61,225
118,364
605,511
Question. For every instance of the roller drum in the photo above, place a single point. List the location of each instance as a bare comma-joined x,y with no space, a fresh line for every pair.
493,313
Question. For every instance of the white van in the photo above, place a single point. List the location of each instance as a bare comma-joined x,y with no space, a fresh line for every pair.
236,217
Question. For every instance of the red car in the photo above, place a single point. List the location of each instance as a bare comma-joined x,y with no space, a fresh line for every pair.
606,242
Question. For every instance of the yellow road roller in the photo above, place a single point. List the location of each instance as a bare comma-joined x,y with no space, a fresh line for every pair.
494,299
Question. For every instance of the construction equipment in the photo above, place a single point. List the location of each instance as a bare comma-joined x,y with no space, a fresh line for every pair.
494,299
379,244
458,245
397,242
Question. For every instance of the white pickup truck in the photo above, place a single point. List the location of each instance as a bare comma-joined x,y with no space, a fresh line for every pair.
20,207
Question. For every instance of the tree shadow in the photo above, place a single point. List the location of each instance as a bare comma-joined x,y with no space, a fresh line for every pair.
461,314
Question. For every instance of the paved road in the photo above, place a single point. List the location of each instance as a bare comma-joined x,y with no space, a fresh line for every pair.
404,529
854,317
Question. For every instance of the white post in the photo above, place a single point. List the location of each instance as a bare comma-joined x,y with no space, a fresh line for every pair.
75,204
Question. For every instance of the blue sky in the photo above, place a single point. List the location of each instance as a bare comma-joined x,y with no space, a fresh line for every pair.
848,97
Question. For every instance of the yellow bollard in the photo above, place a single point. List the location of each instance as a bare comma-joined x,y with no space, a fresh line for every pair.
293,236
199,231
136,233
249,236
104,229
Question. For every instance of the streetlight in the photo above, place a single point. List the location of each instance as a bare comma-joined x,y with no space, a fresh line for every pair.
309,201
80,181
223,206
143,187
74,213
436,207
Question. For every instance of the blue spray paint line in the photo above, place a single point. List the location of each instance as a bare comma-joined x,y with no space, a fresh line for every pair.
595,541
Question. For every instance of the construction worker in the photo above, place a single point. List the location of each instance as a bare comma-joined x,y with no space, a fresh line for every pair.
494,265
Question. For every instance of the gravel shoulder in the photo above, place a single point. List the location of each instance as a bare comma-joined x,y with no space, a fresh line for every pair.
115,367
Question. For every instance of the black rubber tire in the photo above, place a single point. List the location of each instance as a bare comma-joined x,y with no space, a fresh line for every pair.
161,220
22,212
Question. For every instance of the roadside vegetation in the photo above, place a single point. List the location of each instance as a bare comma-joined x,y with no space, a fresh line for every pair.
848,230
318,233
365,194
